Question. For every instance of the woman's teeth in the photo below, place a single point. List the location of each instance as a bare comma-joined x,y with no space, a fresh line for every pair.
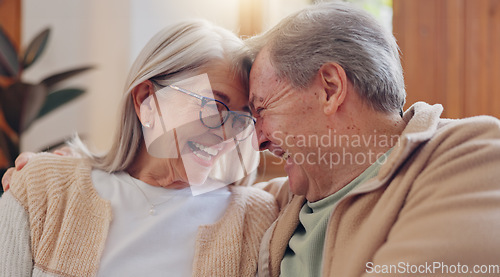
206,158
204,152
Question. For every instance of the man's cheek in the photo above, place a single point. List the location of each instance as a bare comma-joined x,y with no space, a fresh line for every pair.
276,137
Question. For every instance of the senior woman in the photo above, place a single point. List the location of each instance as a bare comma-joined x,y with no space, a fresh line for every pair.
132,211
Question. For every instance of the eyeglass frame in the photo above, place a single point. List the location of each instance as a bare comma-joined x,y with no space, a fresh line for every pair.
204,100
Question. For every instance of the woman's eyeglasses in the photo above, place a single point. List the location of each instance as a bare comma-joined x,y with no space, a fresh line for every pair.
214,114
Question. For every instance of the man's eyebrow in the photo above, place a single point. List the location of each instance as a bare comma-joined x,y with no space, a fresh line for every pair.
222,96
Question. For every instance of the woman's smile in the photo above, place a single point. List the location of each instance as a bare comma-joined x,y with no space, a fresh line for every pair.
206,153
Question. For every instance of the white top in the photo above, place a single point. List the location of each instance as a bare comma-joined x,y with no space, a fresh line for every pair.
140,244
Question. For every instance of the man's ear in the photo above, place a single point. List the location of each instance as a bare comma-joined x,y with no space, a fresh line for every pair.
144,105
333,82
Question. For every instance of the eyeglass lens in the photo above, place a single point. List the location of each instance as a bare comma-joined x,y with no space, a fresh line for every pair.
215,114
240,125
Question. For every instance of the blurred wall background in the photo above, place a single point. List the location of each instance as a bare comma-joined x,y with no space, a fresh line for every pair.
451,54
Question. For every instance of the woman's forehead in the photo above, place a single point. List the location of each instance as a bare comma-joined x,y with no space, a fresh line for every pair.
227,86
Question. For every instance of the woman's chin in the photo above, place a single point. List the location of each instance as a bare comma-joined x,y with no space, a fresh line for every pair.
197,170
199,159
197,181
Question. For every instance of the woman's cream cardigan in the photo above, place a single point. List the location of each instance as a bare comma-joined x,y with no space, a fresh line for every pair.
53,223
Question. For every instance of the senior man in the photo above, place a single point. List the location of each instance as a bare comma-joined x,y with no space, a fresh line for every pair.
372,190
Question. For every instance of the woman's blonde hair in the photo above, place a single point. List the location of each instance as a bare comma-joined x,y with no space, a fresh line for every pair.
177,52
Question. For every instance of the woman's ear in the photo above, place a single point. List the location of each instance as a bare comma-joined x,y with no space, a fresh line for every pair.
334,86
142,97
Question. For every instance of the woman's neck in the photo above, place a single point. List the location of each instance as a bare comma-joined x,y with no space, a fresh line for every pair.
167,173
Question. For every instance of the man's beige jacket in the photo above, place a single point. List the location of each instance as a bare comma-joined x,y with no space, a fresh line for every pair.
433,209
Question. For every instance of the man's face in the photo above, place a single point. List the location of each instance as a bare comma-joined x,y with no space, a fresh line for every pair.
285,117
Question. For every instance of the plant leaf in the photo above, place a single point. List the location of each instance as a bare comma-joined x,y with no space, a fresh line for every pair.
54,79
9,65
33,102
59,98
11,100
35,48
5,158
8,149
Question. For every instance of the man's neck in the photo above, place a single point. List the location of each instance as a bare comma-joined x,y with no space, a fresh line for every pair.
359,143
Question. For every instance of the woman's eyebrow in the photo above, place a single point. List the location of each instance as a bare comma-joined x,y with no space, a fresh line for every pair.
222,96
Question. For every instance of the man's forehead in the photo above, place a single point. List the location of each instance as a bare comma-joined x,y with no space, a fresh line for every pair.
256,95
261,76
261,66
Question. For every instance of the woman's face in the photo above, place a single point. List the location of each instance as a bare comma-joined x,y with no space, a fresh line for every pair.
200,146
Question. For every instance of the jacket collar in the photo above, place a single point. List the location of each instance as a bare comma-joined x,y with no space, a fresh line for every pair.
422,123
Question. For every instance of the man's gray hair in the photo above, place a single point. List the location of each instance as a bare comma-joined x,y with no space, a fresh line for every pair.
337,32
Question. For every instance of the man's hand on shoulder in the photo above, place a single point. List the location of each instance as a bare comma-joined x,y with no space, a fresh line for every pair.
24,158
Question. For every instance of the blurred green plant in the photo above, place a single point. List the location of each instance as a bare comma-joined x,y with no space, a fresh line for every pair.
22,103
381,9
